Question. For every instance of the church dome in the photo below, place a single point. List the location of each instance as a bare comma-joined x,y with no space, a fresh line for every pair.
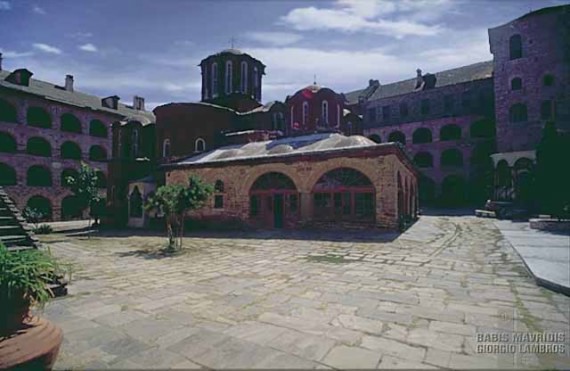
313,88
232,51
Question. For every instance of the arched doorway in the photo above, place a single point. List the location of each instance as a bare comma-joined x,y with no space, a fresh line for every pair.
523,177
41,204
453,191
344,194
273,201
426,189
71,208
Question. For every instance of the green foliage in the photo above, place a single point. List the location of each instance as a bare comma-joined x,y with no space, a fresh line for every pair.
43,229
552,180
33,216
175,200
25,274
84,185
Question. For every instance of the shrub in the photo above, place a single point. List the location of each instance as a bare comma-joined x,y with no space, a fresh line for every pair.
43,229
24,282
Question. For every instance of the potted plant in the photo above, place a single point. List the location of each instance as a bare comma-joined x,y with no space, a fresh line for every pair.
26,341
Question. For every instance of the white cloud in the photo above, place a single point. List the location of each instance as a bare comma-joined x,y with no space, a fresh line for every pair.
5,5
47,48
274,38
13,54
384,17
88,48
36,9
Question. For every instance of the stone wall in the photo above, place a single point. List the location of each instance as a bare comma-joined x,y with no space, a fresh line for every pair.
238,179
21,132
545,37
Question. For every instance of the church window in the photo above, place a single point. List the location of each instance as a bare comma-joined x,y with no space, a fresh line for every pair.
229,77
516,83
166,148
325,113
256,92
305,113
244,77
200,145
214,80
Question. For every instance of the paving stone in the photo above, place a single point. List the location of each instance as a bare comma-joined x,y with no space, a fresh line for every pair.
448,342
302,345
452,328
393,348
255,332
344,357
251,288
392,363
197,343
359,324
234,353
438,357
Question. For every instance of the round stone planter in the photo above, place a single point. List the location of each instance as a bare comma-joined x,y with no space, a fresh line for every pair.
34,346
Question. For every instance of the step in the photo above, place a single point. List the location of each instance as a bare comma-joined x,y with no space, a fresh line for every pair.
13,239
4,227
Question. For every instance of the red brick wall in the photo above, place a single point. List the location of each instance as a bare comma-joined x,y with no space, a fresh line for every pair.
21,161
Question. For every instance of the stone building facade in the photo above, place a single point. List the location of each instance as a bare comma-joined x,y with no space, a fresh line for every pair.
45,132
452,121
315,180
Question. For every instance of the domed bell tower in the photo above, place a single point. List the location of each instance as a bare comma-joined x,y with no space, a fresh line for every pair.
232,78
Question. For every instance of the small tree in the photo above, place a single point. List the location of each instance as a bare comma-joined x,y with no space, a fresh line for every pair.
84,187
175,200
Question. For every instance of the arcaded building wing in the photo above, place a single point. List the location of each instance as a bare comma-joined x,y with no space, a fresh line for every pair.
46,130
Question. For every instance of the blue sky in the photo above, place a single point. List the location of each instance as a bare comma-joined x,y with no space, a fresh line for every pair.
152,48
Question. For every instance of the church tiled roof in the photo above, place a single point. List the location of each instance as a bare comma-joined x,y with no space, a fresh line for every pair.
477,71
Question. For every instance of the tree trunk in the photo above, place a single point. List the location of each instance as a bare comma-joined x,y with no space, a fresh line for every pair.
169,232
181,230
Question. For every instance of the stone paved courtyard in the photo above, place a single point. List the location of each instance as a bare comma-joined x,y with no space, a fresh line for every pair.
303,300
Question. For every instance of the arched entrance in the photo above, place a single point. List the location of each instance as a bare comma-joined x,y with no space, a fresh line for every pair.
453,191
71,208
523,178
344,194
274,201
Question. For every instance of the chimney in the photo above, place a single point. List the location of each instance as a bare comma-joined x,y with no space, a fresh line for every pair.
69,82
419,78
138,103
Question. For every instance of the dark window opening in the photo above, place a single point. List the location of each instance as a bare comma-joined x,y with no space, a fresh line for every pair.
7,175
38,176
515,47
7,112
386,113
70,123
425,107
218,201
452,158
404,110
423,160
518,113
135,204
97,153
516,83
7,143
546,110
97,129
397,136
39,117
38,147
548,80
450,132
448,103
422,135
71,151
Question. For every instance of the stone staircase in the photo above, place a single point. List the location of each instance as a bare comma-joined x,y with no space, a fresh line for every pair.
17,235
